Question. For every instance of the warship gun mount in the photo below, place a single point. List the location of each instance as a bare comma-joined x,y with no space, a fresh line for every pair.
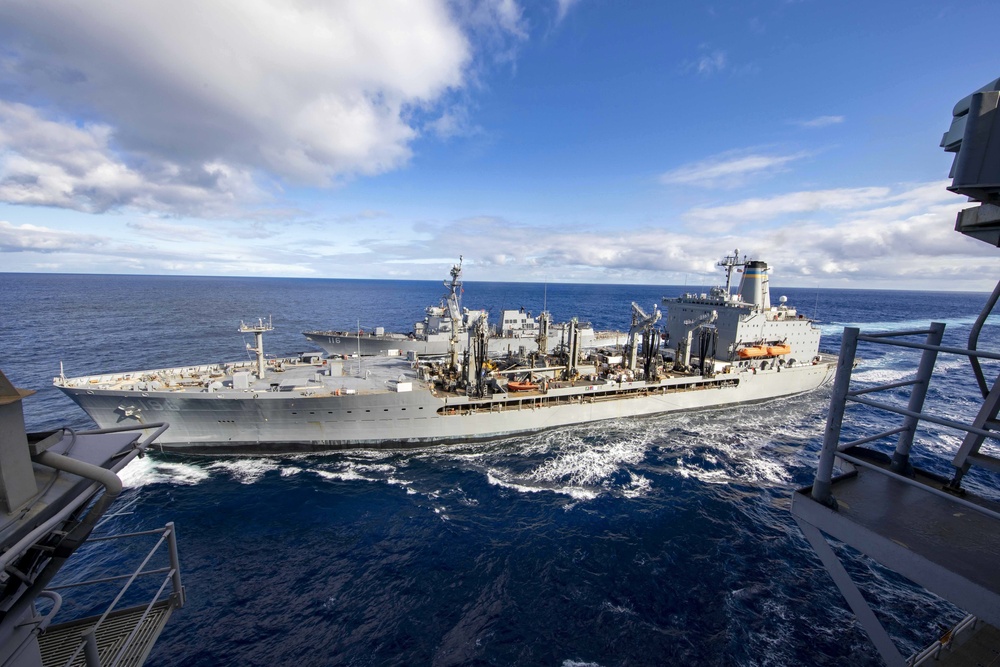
884,494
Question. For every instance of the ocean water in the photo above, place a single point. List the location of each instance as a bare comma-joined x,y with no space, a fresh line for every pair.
659,541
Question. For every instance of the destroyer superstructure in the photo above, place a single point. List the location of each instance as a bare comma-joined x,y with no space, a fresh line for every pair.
747,350
446,325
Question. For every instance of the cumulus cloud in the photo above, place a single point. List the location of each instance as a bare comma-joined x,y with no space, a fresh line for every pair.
32,238
61,164
878,237
173,106
193,251
899,236
729,169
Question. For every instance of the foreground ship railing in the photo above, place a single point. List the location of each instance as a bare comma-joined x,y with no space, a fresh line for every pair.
55,490
924,525
119,636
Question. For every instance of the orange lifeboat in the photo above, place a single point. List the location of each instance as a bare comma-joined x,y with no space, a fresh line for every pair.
752,352
776,350
514,385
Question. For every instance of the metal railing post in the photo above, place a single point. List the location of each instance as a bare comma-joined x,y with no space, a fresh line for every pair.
835,419
175,563
91,654
901,457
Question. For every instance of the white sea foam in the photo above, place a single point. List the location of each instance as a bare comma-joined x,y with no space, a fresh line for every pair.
348,475
883,375
582,463
147,470
745,445
245,471
494,477
637,487
376,468
762,469
702,475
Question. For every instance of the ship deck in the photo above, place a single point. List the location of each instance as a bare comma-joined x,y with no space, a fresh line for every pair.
317,376
952,550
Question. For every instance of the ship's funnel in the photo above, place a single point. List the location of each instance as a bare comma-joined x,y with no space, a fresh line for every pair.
753,287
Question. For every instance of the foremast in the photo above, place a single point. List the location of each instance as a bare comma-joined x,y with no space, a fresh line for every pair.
258,331
453,303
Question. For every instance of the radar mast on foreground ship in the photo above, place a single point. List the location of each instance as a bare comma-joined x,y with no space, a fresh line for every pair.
934,521
722,349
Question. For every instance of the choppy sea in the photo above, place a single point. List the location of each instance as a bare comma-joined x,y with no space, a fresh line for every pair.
658,541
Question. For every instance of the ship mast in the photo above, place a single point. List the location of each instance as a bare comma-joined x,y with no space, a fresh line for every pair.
454,303
258,334
729,263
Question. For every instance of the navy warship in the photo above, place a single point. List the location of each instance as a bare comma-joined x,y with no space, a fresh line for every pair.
716,348
446,325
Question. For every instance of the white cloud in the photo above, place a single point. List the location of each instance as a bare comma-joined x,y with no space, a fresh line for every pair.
820,121
766,208
869,237
49,163
32,238
193,251
890,237
186,102
729,169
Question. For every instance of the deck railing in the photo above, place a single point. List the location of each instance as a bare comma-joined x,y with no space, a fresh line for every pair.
913,414
170,590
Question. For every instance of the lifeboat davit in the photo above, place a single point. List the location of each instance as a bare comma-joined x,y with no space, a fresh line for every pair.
514,385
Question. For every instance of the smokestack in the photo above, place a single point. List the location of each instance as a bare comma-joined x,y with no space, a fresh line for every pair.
753,287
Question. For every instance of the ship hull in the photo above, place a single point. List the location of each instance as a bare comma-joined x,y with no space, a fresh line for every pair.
275,422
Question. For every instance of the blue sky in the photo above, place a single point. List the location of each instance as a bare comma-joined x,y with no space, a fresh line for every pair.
559,140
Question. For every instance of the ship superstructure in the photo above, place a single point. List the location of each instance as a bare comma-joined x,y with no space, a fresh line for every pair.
741,327
447,323
314,403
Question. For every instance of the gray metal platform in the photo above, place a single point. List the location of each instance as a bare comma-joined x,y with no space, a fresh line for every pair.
60,641
937,542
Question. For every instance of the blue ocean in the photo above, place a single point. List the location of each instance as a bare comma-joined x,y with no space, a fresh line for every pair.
658,541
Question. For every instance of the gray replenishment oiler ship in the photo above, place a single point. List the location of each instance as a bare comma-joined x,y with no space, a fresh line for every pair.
720,349
446,325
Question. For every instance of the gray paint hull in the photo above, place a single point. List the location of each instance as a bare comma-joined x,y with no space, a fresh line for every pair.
278,422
